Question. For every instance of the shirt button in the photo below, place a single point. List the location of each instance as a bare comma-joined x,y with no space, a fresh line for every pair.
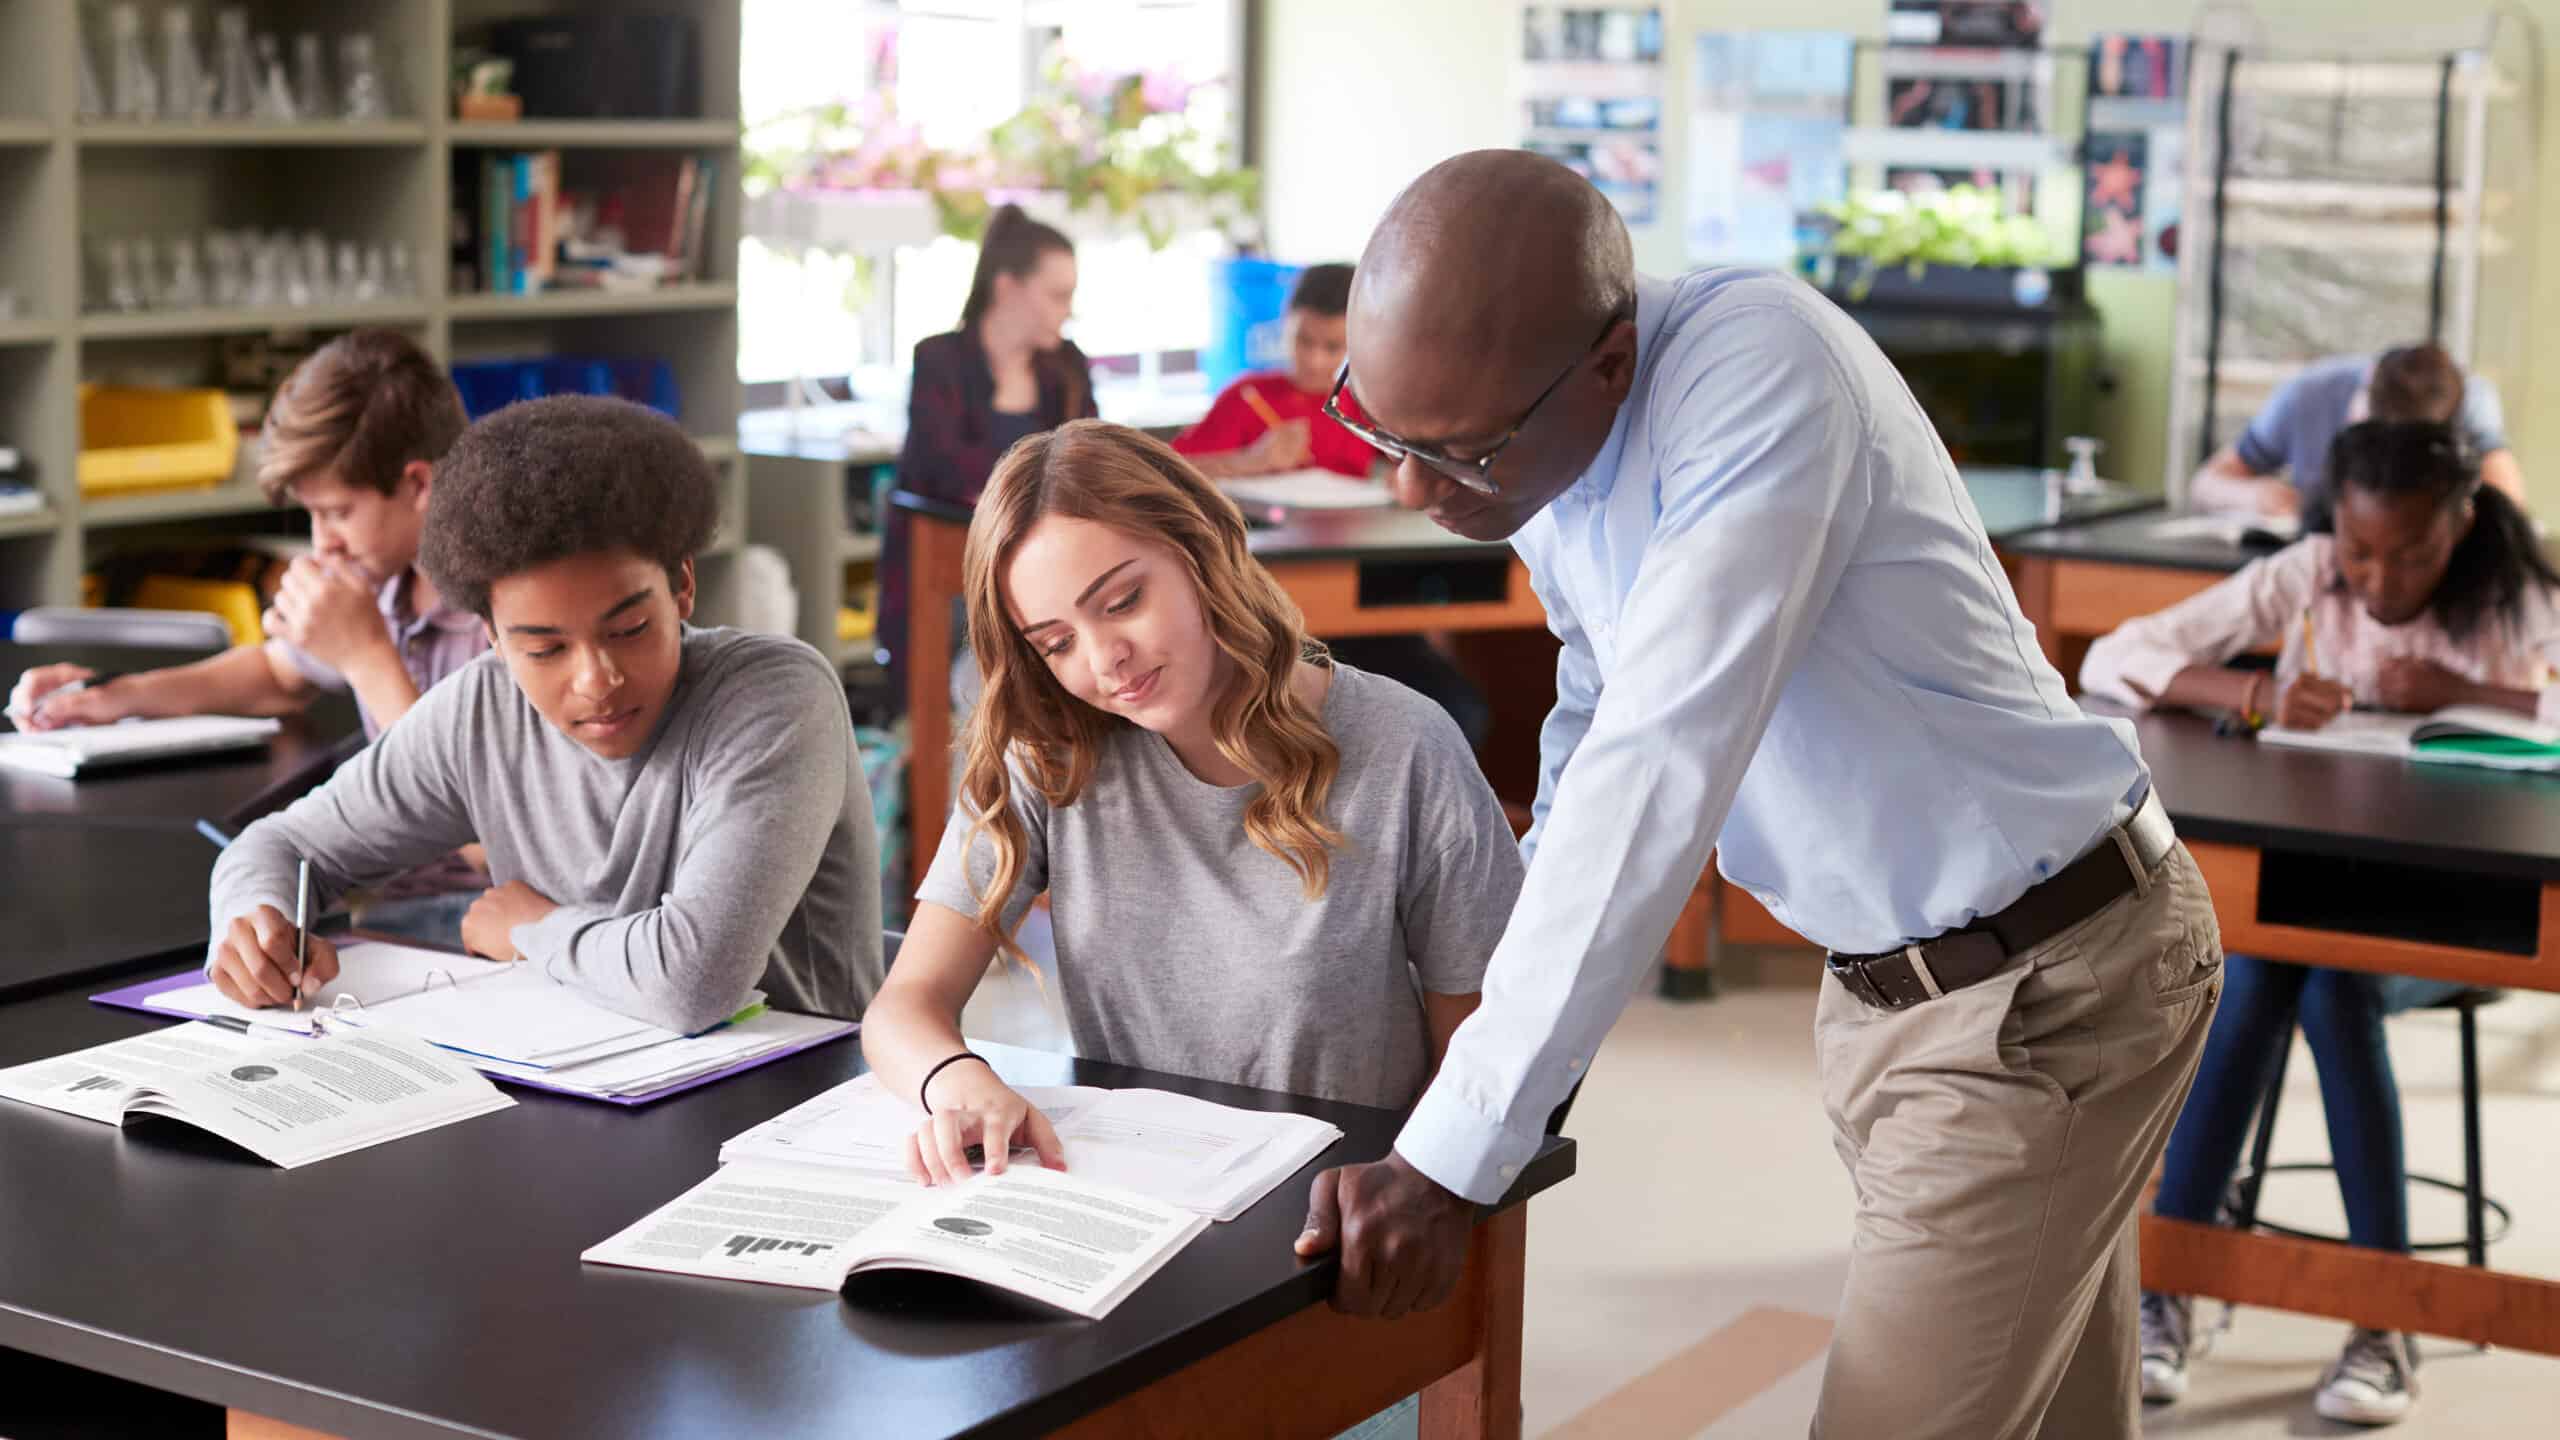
1510,1172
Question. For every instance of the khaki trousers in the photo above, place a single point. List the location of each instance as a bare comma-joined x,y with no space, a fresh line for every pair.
1999,1139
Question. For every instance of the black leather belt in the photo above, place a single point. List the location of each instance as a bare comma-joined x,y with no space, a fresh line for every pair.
1900,979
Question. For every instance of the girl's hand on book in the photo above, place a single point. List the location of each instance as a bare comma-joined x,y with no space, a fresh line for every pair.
2311,702
971,1107
2418,687
253,961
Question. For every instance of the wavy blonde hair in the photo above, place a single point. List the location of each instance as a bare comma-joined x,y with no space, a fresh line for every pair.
1135,484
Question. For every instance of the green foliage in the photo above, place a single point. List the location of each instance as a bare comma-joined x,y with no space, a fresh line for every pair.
1963,226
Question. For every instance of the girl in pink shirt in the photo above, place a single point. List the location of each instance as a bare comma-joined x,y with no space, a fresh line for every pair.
2434,591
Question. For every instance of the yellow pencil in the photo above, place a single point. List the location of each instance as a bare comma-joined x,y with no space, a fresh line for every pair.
1262,407
2310,654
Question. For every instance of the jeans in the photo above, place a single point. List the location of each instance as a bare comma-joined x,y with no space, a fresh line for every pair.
2341,1014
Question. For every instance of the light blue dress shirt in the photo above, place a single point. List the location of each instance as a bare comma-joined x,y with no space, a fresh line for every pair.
1786,638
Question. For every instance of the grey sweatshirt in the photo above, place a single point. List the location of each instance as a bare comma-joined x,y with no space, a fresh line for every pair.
734,852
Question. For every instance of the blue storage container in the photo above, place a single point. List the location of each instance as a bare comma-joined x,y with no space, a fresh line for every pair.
1248,299
488,385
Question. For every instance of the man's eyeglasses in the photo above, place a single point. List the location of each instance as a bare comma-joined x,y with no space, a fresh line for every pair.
1476,474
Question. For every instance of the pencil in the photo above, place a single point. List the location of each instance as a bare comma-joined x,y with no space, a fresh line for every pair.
301,929
1262,407
2310,652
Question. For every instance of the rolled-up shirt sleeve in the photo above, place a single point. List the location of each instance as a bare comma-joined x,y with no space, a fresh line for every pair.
2134,663
1763,494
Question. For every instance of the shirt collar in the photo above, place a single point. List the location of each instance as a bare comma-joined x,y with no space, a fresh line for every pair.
1653,302
390,600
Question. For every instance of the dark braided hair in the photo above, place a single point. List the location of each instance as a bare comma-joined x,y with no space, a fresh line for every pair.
2495,563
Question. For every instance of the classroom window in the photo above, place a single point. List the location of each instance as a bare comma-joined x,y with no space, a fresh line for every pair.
960,67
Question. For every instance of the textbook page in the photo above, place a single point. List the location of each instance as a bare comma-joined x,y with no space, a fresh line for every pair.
1215,1159
1046,1236
1056,1238
775,1224
95,1083
370,972
290,1103
860,1126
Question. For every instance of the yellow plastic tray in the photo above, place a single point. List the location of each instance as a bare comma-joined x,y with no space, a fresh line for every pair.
233,602
138,439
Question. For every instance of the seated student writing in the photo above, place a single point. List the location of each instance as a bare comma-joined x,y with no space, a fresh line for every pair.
352,436
675,816
1263,424
2432,592
1267,423
1262,867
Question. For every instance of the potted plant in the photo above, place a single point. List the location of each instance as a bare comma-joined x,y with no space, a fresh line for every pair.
1958,245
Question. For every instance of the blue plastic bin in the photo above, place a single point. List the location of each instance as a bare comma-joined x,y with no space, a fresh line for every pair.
488,385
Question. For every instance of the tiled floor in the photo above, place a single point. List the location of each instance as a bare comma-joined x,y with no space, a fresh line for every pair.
1680,1283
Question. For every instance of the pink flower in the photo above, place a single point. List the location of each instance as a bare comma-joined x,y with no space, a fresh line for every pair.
1165,92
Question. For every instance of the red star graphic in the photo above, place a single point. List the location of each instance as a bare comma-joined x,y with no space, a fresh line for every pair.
2118,241
2113,183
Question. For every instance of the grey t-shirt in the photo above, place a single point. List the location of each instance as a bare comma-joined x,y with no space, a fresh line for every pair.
2307,412
734,851
1183,946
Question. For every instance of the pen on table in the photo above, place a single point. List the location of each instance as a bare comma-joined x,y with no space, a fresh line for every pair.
301,929
2310,651
1262,407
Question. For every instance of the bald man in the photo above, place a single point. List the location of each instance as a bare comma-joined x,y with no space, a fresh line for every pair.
1787,638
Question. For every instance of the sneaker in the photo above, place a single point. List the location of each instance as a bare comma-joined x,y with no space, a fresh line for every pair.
2166,1320
2375,1381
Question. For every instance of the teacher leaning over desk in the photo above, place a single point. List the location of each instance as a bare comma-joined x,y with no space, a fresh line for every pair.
1785,638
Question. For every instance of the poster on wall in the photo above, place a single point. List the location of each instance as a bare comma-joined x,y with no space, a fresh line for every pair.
2133,157
1769,109
1591,97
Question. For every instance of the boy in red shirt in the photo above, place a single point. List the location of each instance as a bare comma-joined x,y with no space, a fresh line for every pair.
1267,423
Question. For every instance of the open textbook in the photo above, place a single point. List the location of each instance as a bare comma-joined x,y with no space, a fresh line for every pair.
508,1020
1056,1238
2456,735
289,1101
1214,1160
76,750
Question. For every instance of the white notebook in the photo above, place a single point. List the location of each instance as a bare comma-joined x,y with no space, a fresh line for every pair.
1308,490
77,750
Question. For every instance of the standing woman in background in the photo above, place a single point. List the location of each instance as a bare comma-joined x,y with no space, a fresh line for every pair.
1008,372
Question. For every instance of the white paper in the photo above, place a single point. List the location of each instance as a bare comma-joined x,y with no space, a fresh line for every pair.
2361,732
646,1071
370,973
1055,1238
76,749
1212,1159
290,1103
95,1083
521,1016
777,1224
1307,490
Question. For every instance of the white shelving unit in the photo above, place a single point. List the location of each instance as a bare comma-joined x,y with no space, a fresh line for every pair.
65,180
2408,156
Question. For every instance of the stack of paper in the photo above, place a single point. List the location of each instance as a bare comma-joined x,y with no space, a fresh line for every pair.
513,1022
1210,1159
76,750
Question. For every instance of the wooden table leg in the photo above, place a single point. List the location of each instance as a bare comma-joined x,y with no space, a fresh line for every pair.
1481,1400
934,550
